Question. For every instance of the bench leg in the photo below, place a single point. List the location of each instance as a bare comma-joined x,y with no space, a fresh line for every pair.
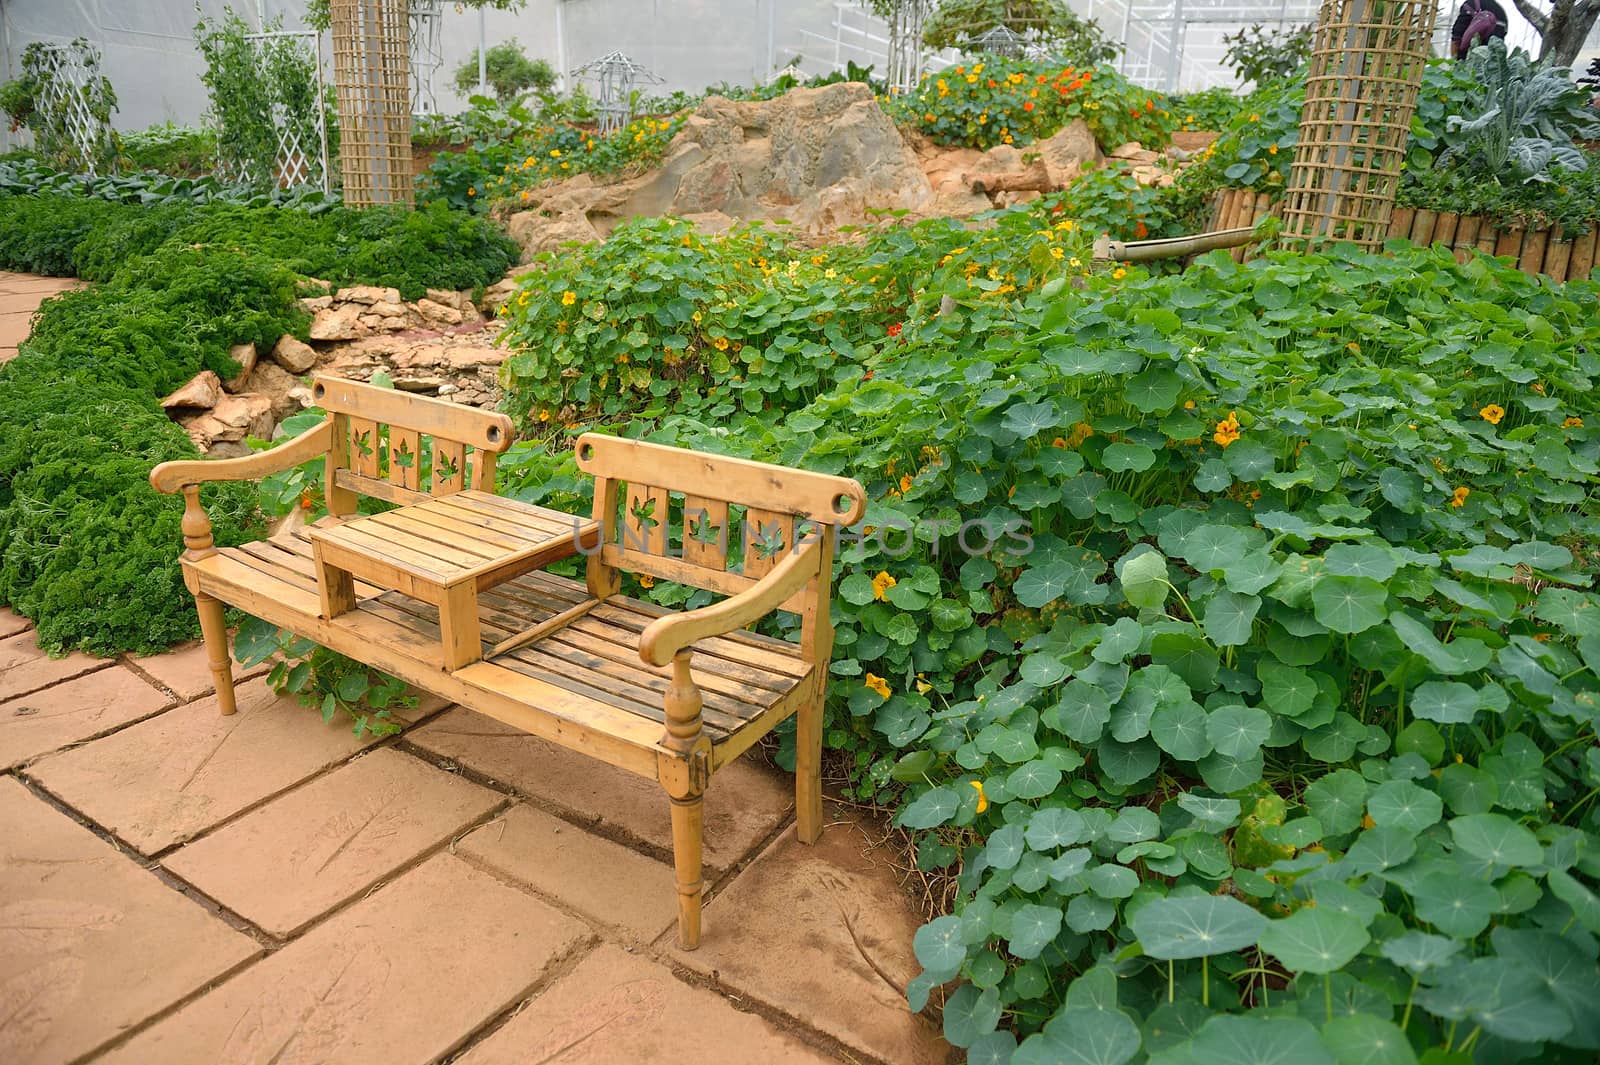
808,769
688,823
214,627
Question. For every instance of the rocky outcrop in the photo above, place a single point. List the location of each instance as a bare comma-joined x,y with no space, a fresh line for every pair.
820,158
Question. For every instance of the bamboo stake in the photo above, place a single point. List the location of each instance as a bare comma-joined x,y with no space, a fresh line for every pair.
1583,252
1533,251
1557,254
1444,228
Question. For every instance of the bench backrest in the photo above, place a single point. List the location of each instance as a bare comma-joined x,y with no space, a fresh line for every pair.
710,521
462,443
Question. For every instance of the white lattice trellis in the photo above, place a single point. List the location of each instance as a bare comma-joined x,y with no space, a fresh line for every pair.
427,54
616,76
301,157
997,40
62,104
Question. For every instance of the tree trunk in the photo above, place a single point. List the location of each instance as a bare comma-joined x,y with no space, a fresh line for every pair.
1564,39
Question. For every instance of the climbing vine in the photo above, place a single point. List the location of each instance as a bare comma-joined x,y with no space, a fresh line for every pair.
66,103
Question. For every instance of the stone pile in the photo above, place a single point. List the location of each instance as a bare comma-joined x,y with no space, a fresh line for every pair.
440,345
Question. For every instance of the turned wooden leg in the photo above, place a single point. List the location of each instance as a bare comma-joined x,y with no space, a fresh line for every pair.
808,769
688,824
684,772
214,627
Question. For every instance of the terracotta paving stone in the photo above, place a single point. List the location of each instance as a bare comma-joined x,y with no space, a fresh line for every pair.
822,933
615,1007
186,670
744,804
25,668
90,944
602,880
286,863
402,976
11,622
35,724
164,780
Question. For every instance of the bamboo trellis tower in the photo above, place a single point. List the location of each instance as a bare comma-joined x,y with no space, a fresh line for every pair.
1366,66
372,73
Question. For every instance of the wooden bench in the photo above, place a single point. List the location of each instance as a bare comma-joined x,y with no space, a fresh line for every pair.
670,695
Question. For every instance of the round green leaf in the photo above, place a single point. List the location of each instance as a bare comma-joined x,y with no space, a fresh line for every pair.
939,948
1417,952
1362,1039
1250,1039
1123,457
932,808
1092,1037
1337,800
1180,730
1144,579
1196,926
1349,604
1445,701
1403,804
1361,560
1054,826
1238,731
1315,940
1496,838
1032,928
1456,905
1033,780
970,1013
1111,881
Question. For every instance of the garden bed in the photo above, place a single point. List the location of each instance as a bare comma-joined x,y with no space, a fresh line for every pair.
1539,250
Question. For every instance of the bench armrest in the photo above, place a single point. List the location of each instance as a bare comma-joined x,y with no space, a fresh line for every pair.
171,476
664,637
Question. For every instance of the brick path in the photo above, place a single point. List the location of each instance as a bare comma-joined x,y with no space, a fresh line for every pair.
180,887
20,296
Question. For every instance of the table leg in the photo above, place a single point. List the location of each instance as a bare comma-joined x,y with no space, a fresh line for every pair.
336,586
458,625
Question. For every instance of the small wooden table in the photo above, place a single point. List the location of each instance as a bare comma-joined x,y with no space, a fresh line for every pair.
444,552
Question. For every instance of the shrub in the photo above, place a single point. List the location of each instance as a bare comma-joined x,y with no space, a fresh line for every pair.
181,151
1210,109
87,548
1002,101
29,177
1259,55
510,72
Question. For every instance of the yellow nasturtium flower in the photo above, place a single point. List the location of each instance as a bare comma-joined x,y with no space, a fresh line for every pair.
878,684
1492,413
881,585
983,800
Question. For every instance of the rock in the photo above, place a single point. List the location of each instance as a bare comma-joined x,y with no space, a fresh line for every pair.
201,393
433,311
537,232
278,385
1068,152
337,323
819,158
1001,158
448,389
301,395
245,356
232,420
1127,151
418,384
293,355
313,304
388,310
368,294
447,297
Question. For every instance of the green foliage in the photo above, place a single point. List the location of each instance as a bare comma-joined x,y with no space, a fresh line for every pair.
1568,200
180,151
1237,661
1257,54
324,679
28,176
495,169
1210,109
1069,38
1003,101
259,90
410,250
1109,199
87,548
25,98
659,318
1520,120
319,15
510,72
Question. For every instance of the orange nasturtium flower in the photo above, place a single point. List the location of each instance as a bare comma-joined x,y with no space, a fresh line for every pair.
646,581
881,585
1227,430
878,684
1572,423
1458,498
983,800
1492,413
